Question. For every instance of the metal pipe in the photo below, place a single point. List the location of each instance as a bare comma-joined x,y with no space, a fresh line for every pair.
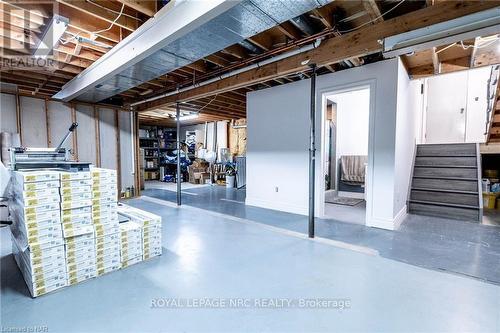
178,113
312,150
305,48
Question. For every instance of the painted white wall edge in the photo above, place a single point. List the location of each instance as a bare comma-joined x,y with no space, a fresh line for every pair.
389,224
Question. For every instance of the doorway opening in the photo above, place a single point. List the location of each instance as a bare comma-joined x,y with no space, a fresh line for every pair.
345,121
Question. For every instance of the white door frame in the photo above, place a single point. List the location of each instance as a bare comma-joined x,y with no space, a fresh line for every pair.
320,181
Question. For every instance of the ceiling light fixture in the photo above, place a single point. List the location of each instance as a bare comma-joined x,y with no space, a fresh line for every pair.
189,117
55,29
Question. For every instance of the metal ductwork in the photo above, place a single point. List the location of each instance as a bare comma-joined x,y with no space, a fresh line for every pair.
177,36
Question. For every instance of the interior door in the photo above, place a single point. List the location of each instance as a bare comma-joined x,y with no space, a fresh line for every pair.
446,108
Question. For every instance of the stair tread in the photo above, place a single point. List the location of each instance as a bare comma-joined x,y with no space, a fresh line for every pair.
439,156
446,178
447,166
436,203
443,190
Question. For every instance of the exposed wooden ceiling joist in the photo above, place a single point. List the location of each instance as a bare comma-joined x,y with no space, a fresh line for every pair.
353,44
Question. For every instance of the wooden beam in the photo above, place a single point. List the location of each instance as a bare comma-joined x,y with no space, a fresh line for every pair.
373,11
435,61
85,7
354,44
147,7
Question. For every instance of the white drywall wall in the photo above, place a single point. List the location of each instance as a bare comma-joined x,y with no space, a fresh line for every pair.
86,133
8,121
278,138
408,113
33,122
107,127
59,120
353,115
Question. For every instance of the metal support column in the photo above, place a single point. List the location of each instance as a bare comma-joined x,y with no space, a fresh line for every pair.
312,150
179,177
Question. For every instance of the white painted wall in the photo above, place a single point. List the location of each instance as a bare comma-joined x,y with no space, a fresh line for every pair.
86,132
278,127
59,119
33,122
409,111
353,116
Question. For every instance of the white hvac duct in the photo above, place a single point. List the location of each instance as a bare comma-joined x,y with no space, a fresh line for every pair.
305,48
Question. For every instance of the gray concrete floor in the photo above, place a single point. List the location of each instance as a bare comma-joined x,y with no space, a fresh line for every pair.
212,255
454,246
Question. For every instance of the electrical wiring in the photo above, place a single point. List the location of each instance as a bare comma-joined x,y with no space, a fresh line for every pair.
113,11
113,23
373,20
466,47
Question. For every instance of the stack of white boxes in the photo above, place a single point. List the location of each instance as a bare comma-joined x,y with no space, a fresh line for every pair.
131,243
37,240
105,220
150,228
78,231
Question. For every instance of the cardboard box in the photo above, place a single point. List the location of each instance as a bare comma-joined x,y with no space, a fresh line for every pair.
81,275
101,269
75,175
104,209
41,201
76,212
132,261
76,183
78,219
24,177
108,240
105,193
103,173
75,204
35,194
82,264
106,229
70,191
112,187
76,196
35,211
38,186
72,230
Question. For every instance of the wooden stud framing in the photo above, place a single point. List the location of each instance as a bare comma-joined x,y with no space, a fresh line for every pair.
47,122
18,118
75,133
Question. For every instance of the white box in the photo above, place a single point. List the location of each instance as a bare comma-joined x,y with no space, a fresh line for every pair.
23,177
107,192
108,240
34,194
38,186
74,242
106,229
72,230
76,196
108,269
103,173
69,191
108,250
76,183
75,204
81,275
76,212
41,201
79,265
132,261
35,210
76,175
78,219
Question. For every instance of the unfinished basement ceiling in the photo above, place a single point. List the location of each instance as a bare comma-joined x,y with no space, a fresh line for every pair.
245,19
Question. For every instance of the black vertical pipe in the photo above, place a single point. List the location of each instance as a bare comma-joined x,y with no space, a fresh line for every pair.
312,150
179,177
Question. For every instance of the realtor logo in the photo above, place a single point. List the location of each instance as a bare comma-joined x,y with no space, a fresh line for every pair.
29,41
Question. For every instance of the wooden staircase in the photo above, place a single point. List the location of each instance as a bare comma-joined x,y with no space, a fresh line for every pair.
446,182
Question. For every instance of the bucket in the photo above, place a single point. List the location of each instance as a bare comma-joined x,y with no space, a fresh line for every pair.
489,200
230,181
